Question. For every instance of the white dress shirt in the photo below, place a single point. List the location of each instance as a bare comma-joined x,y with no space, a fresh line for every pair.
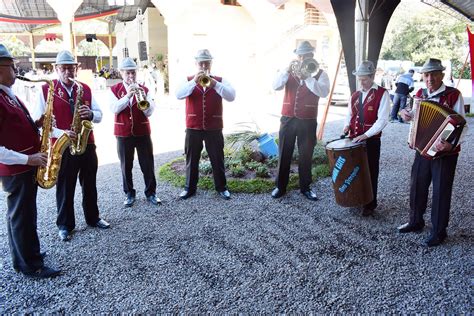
382,113
223,88
40,107
118,105
318,87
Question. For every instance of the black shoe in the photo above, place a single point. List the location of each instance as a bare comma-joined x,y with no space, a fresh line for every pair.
410,228
44,272
310,195
225,194
436,240
277,193
129,201
153,200
186,194
64,235
102,224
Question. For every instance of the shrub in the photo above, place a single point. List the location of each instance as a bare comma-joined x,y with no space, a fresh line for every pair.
237,171
262,171
205,167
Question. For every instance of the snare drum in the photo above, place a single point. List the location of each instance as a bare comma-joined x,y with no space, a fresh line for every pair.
350,173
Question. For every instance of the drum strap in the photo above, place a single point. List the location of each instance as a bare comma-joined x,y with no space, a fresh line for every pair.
361,109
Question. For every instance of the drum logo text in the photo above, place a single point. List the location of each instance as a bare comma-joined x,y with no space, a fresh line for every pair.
349,180
337,167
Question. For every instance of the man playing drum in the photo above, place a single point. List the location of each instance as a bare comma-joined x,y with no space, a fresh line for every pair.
367,116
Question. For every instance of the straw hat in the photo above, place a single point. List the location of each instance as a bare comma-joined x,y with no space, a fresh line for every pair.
4,53
432,64
366,68
203,55
65,58
304,48
128,64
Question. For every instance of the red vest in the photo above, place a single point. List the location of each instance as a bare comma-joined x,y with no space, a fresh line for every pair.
447,98
204,108
131,121
16,133
370,107
61,108
299,101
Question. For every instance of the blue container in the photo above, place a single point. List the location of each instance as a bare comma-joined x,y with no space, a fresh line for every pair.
267,146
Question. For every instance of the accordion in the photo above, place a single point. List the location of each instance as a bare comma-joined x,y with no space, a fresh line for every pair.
432,122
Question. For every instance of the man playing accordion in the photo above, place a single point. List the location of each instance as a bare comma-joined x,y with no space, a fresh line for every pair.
439,171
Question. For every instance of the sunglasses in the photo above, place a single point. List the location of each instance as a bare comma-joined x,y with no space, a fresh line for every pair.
12,66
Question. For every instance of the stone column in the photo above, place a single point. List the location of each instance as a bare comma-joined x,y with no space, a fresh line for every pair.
65,11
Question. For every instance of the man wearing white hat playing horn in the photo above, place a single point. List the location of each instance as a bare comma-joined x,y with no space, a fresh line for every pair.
19,157
204,93
298,121
367,115
83,166
132,130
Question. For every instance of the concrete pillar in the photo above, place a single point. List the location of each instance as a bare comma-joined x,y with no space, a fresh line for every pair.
32,49
361,29
65,11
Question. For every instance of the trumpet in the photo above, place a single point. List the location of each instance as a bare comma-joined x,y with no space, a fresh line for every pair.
205,80
304,68
142,103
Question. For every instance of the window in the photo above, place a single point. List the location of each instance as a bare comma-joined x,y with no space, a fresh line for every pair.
230,2
313,16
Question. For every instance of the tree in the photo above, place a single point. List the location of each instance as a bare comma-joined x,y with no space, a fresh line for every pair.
15,46
419,36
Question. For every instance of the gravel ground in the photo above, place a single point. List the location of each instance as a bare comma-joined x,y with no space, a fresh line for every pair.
252,253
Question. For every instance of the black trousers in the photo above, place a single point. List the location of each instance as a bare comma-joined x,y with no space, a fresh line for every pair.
373,156
21,221
214,141
85,166
304,133
126,151
441,173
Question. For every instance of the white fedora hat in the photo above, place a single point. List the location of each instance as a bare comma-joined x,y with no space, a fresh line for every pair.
366,68
304,48
203,55
432,64
4,53
127,64
65,57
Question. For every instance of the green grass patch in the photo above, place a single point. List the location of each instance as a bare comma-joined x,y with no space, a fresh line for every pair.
238,168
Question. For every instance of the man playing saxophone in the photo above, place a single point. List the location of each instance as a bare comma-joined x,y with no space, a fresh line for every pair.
304,84
19,157
67,103
132,104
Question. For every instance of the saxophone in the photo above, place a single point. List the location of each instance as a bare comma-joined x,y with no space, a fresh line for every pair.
81,127
48,176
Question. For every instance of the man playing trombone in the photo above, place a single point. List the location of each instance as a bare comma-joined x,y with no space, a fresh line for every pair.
132,104
304,84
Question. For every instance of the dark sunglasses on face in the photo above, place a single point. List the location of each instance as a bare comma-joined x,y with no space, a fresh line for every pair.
12,66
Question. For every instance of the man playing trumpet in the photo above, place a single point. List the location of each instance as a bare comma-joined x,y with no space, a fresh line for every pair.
304,84
132,104
204,123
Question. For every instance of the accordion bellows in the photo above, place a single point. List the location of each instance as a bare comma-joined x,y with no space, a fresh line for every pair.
433,121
